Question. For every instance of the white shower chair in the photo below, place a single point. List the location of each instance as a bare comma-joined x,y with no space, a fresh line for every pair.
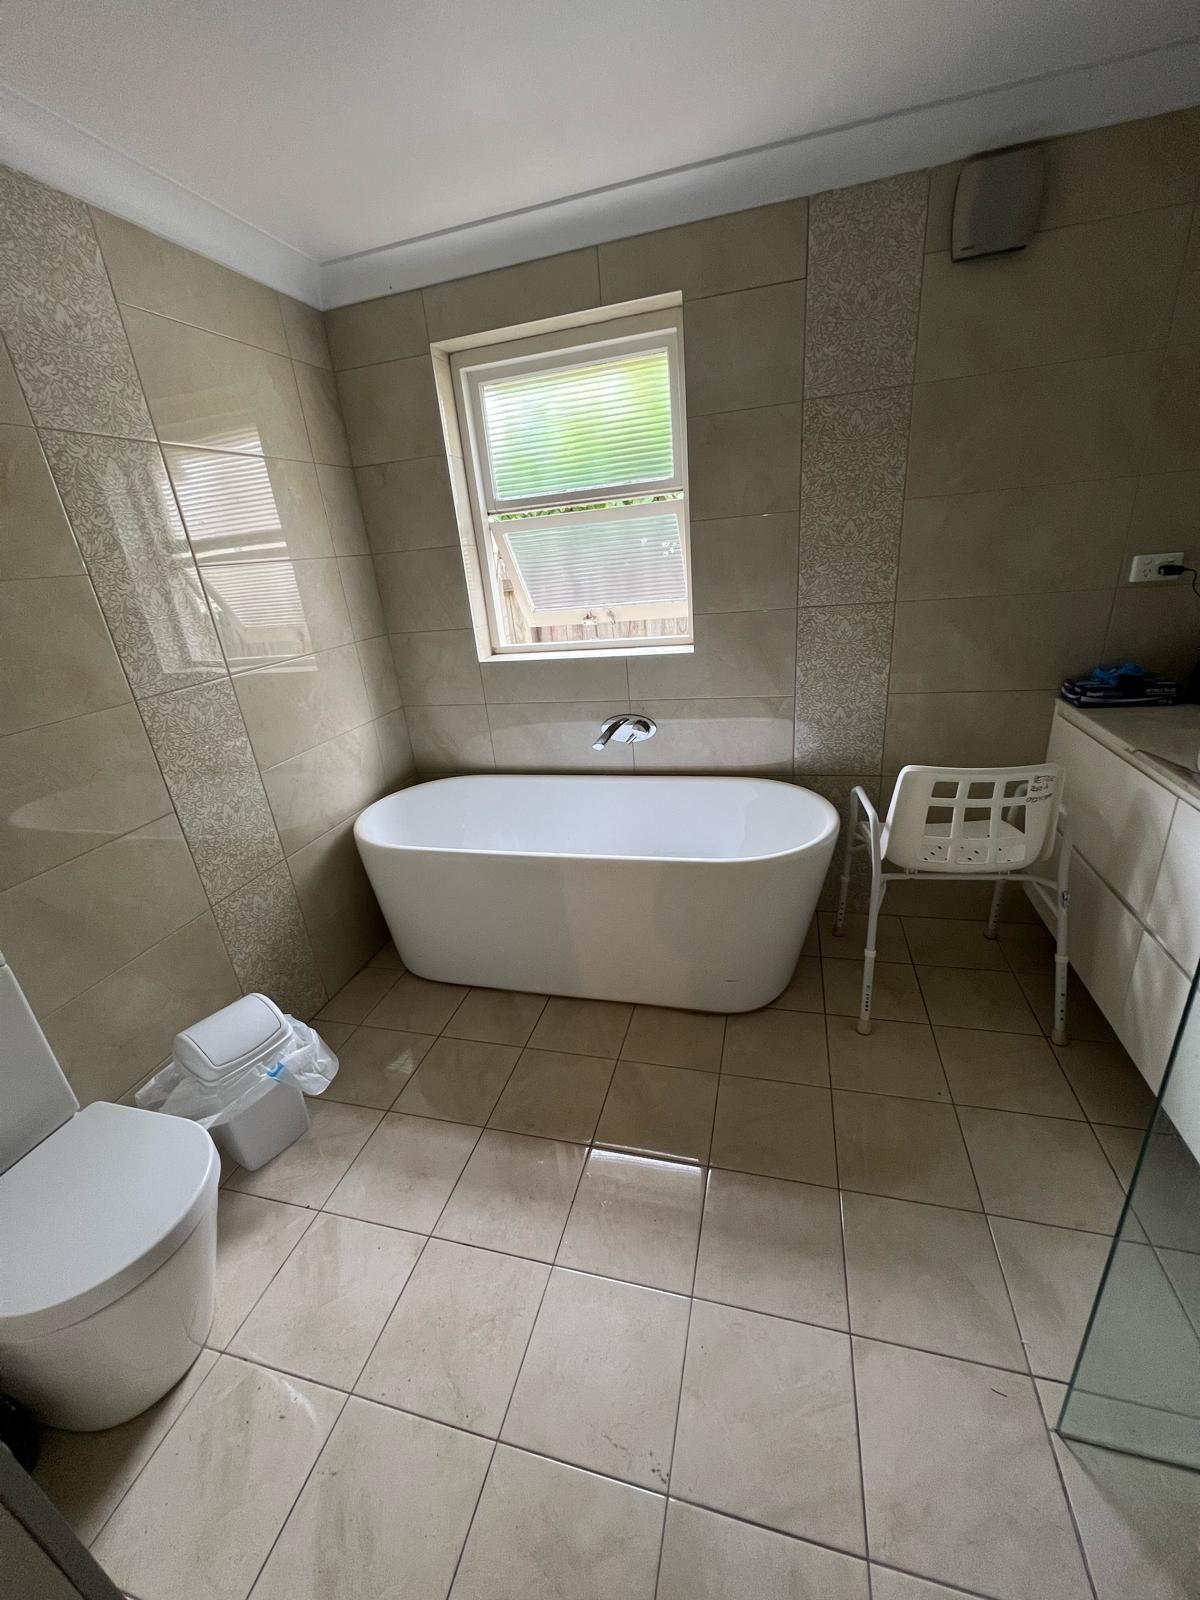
995,823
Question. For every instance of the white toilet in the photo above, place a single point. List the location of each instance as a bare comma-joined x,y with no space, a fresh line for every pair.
108,1222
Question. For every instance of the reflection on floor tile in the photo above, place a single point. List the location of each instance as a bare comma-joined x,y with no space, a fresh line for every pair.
514,1195
710,1557
254,1239
459,1080
496,1016
406,1172
554,1095
416,1006
659,1111
600,1381
375,1064
635,1218
308,1171
546,1529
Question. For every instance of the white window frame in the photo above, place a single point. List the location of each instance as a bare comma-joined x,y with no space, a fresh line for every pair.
570,346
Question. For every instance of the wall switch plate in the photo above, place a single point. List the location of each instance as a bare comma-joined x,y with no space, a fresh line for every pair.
1144,569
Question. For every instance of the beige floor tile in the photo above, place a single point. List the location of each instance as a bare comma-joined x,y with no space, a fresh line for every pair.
1085,1020
908,1149
675,1038
514,1195
896,997
587,1027
959,998
361,995
254,1239
307,1173
659,1111
952,942
452,1347
1110,1088
385,1511
1005,1071
374,1064
890,944
1041,1169
710,1557
544,1530
554,1095
326,1306
416,1005
805,991
786,1045
234,1461
636,1218
1138,1520
1027,946
87,1474
496,1016
767,1427
773,1246
459,1080
972,1445
406,1172
600,1380
1051,1395
778,1130
1122,1146
922,1275
387,956
887,1584
894,1058
1053,1275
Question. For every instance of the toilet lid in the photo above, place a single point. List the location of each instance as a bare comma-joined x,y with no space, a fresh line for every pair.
93,1210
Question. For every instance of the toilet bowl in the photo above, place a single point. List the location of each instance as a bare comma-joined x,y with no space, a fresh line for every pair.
107,1240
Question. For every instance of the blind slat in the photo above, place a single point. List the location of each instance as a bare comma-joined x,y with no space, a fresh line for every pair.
635,558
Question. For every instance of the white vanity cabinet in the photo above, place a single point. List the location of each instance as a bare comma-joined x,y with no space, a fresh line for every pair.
1135,884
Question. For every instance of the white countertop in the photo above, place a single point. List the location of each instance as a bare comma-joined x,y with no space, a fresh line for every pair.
1161,741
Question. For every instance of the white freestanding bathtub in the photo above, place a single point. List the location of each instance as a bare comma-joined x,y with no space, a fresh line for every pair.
688,892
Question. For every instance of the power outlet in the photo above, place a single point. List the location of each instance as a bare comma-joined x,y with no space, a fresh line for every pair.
1144,569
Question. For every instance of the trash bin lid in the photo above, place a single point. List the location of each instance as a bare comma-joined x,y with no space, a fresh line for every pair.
251,1032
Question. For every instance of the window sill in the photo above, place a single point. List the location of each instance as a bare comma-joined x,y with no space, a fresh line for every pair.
607,654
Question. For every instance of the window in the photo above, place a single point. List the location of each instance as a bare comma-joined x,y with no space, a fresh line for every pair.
577,472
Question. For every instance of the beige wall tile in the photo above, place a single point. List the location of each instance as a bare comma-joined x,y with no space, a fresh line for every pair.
379,674
768,244
268,944
1132,166
556,738
423,589
955,729
73,925
344,922
201,744
119,499
298,704
152,273
1093,290
1081,419
247,508
1175,436
211,391
1166,513
377,330
408,505
841,687
108,1038
450,739
744,349
745,563
391,411
851,496
737,653
267,611
59,317
59,659
12,401
1155,627
362,596
742,463
315,791
395,749
322,415
1016,541
744,735
864,284
343,509
35,536
304,327
70,786
437,669
510,295
526,682
997,641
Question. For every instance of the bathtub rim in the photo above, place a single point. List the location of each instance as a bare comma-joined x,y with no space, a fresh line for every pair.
402,847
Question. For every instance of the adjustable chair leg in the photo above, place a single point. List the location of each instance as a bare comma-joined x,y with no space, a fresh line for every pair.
994,913
1058,1033
868,985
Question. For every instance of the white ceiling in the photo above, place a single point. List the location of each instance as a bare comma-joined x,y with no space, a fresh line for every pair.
338,129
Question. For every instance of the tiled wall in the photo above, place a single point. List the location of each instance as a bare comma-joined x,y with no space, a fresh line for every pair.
197,688
915,484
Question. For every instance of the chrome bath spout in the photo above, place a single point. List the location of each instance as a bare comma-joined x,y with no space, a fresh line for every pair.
625,729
